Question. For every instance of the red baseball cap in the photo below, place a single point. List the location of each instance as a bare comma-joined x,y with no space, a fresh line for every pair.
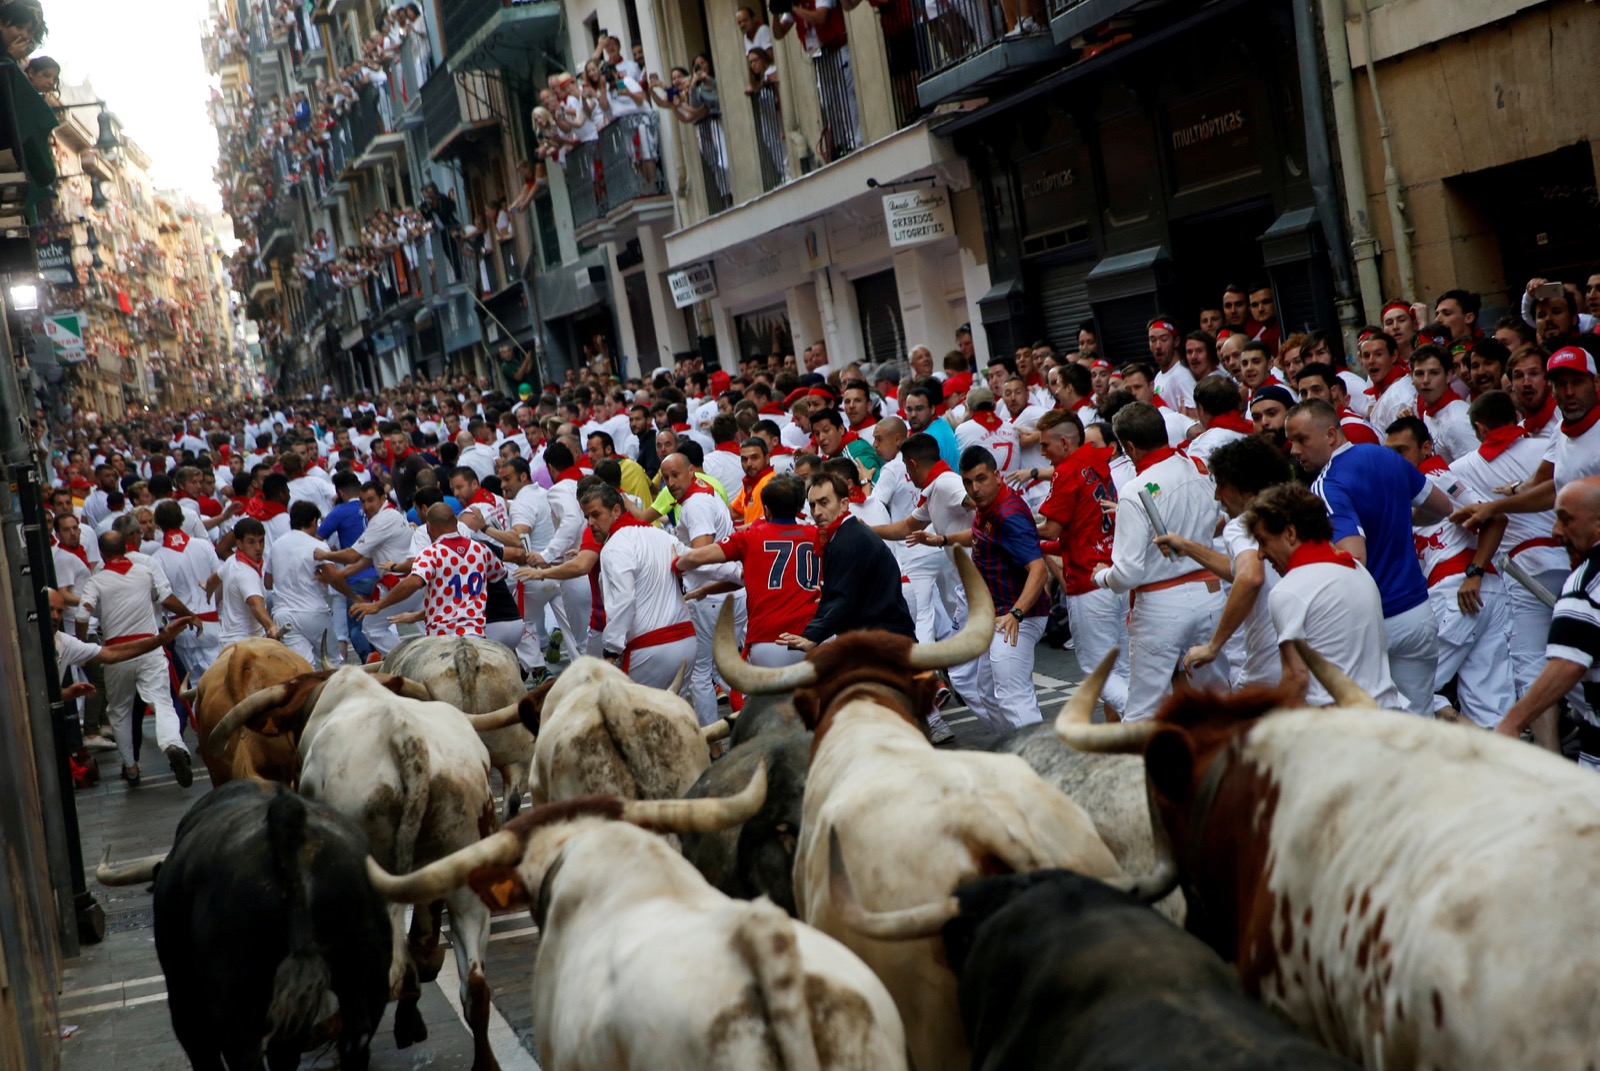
720,381
957,384
1571,359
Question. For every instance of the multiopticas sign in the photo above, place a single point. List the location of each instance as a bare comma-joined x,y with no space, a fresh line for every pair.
1207,128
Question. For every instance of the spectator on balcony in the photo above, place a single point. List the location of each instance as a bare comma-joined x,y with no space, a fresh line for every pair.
44,74
578,112
609,53
763,72
757,34
22,28
693,98
623,97
820,24
532,174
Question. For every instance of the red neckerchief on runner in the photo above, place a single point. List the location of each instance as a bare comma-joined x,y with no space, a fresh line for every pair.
751,481
1035,380
251,562
1159,454
820,540
728,448
938,469
480,496
625,520
77,552
573,473
1537,422
1082,403
1426,410
120,565
1574,428
1499,440
1433,464
857,495
845,440
986,419
268,510
1313,553
458,543
1397,371
772,409
695,488
1159,402
175,539
680,428
1231,421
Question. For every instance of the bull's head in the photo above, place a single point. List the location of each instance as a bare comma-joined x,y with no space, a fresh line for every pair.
490,866
282,709
877,661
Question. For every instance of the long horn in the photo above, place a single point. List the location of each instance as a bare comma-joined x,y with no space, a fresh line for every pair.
1074,728
706,815
974,637
906,924
1345,692
754,680
496,719
189,695
1164,877
242,712
372,667
132,872
720,729
437,879
677,678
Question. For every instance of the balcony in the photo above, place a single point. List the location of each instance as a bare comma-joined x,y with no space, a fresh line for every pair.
457,109
495,35
374,134
972,46
615,182
408,77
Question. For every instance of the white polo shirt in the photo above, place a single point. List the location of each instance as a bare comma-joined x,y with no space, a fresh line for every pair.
1176,384
295,587
531,507
387,537
126,598
1262,664
1574,456
943,505
318,492
1451,431
239,582
71,651
1337,610
703,514
187,564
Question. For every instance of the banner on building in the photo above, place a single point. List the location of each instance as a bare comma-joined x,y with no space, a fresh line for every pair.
55,262
692,284
65,331
918,216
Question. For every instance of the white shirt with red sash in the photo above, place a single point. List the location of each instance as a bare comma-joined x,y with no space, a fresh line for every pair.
644,603
1328,599
187,564
125,595
1507,456
241,579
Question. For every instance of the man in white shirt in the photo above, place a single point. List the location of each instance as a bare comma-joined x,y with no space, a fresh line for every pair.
1216,403
94,506
1325,597
1440,407
190,566
531,525
1140,380
300,597
1174,605
73,561
756,33
986,428
303,487
572,607
242,607
477,454
698,518
1173,381
387,540
1391,388
125,595
611,417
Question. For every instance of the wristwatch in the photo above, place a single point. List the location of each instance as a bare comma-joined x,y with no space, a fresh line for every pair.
1474,571
1018,614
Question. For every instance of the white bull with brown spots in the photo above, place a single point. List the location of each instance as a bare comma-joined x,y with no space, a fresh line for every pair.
642,966
913,822
414,775
1415,895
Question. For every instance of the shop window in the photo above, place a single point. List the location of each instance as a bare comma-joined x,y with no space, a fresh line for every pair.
883,336
764,331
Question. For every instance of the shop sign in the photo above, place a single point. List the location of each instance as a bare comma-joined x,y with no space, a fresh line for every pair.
691,284
1212,138
55,262
65,331
917,216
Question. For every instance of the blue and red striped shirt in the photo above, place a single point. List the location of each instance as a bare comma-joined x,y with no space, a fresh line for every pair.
1005,542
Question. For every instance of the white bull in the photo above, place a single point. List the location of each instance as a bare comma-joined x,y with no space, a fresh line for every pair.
414,775
913,822
476,676
643,966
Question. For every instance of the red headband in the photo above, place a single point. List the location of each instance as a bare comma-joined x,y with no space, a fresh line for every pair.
1162,325
1401,305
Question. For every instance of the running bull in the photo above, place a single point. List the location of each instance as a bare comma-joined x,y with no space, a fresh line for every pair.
642,965
1411,893
263,910
927,819
242,669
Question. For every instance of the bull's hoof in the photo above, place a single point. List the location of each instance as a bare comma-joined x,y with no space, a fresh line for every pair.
408,1025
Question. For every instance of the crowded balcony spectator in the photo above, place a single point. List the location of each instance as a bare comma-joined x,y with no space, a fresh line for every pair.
693,98
820,24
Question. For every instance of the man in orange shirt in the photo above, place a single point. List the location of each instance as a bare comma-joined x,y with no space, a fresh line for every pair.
746,505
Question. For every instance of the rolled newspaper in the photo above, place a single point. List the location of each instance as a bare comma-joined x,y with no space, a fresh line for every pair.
1157,525
1516,572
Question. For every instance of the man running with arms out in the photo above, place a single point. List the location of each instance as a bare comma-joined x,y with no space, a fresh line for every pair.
454,571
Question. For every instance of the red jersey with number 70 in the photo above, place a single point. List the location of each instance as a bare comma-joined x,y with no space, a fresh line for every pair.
1080,487
457,572
782,573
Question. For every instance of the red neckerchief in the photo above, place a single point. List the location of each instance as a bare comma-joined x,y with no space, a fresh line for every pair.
269,510
77,552
1159,402
728,448
939,468
251,562
1536,423
1574,428
986,419
1432,465
680,427
1426,410
1232,421
209,507
781,451
1035,380
120,565
1499,440
573,473
1155,456
1313,553
1398,370
892,393
771,409
625,520
695,488
820,540
857,495
751,481
457,543
176,539
487,498
865,424
1082,403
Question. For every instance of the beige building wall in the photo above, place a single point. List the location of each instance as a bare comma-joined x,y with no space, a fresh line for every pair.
1494,93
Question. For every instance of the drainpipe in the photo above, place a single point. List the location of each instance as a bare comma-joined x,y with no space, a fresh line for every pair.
1318,159
1391,177
1363,246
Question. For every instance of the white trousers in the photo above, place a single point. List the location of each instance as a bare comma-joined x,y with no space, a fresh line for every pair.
572,617
1475,648
1414,656
922,582
197,652
145,676
1530,626
773,655
1016,700
703,674
506,633
536,598
341,616
307,633
1162,626
655,666
974,679
1099,622
380,628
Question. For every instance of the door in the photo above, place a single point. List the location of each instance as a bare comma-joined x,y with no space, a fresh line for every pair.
883,336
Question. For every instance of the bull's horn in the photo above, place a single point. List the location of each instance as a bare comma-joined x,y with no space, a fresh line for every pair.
495,719
754,680
133,872
1164,878
438,879
720,729
189,695
372,667
242,712
706,815
974,637
677,678
907,924
1345,692
1073,725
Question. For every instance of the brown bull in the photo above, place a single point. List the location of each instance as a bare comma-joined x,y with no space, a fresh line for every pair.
244,668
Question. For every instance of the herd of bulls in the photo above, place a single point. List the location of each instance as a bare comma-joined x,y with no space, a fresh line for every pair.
834,892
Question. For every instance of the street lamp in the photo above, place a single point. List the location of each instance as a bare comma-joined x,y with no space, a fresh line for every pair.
97,198
107,142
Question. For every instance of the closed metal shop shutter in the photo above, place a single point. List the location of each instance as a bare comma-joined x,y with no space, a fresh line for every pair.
883,336
1063,302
